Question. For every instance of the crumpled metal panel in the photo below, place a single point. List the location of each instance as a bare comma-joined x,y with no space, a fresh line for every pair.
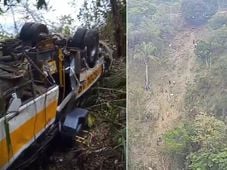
72,120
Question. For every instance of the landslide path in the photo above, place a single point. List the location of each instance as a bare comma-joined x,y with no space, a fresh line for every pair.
169,84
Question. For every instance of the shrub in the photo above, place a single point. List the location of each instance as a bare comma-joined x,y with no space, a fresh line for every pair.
203,51
177,140
218,21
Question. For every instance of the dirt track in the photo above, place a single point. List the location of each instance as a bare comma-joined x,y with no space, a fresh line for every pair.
166,102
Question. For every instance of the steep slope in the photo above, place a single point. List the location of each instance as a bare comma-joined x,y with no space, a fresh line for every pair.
166,102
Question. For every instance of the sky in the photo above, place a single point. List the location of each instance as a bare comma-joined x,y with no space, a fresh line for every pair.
63,7
59,8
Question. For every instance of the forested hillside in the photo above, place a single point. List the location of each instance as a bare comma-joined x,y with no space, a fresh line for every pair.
177,84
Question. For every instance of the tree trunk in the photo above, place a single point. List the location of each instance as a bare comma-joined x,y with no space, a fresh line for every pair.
207,63
119,32
210,61
146,77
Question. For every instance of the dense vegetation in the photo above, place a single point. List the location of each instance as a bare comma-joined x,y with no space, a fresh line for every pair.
203,142
198,141
198,11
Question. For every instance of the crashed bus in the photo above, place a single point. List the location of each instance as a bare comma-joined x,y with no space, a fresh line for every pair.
41,76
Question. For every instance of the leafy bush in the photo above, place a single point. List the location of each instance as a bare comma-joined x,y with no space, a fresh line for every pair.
219,40
203,51
203,141
208,93
208,160
208,132
213,47
177,140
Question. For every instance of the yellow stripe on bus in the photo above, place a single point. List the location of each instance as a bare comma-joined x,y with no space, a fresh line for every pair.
90,79
25,133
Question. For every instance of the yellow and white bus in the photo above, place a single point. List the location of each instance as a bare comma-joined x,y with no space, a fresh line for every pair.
20,128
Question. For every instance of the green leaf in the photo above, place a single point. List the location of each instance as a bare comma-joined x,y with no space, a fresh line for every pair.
91,119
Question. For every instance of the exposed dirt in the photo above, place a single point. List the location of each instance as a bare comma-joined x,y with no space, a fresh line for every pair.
166,102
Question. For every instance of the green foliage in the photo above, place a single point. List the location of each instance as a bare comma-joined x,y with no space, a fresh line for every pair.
168,23
215,45
94,13
65,26
219,40
208,132
104,16
209,160
91,120
120,139
202,142
208,93
146,52
148,32
153,21
177,140
218,21
203,51
197,12
146,49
